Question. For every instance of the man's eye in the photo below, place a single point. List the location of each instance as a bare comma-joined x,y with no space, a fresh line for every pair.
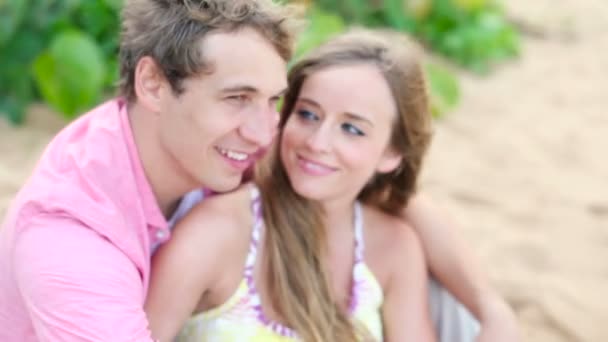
238,98
276,103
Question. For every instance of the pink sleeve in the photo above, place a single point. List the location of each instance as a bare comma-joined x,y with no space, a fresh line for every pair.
77,286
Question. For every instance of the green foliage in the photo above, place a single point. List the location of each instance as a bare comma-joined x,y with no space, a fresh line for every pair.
321,26
61,51
70,74
11,12
474,33
443,86
65,51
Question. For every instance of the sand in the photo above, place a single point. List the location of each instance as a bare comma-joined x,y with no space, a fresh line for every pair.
521,165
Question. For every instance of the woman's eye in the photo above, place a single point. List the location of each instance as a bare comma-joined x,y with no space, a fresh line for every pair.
307,115
352,129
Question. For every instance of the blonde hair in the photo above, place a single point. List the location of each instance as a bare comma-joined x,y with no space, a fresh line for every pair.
296,236
170,31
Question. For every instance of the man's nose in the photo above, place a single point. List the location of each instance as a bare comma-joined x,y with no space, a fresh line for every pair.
259,128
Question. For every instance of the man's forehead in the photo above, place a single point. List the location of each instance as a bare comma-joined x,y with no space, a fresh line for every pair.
243,61
245,42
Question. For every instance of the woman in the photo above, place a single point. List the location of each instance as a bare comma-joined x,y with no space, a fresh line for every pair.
321,254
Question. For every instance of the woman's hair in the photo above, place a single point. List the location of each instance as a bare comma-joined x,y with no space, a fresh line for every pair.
296,236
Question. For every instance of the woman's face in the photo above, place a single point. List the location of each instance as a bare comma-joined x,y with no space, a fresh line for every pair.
337,137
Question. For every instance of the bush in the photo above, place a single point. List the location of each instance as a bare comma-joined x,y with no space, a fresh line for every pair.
65,51
444,89
474,33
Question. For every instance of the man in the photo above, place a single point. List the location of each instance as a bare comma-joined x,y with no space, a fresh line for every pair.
200,84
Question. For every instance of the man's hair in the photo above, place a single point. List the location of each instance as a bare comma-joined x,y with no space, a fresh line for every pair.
171,32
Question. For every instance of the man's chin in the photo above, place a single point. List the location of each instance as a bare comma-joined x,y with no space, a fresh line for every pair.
227,186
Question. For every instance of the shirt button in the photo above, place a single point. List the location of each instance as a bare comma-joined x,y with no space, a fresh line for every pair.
160,234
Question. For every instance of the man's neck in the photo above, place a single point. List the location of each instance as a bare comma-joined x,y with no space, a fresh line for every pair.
167,183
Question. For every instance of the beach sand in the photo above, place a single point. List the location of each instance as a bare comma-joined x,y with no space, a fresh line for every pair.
521,165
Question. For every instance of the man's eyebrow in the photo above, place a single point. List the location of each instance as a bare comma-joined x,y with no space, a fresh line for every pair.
239,88
280,94
248,89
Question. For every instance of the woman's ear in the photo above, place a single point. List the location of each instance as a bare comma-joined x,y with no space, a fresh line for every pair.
389,162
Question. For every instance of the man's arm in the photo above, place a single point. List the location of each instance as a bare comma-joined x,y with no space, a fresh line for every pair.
452,263
77,286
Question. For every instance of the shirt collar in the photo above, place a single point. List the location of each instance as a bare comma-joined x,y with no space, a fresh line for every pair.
152,211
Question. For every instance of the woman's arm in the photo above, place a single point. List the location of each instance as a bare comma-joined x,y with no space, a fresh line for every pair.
184,269
405,312
452,263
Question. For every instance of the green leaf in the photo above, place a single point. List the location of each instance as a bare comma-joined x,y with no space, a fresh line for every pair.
419,9
116,5
47,82
112,73
43,15
470,5
323,25
444,89
509,40
394,14
11,16
18,53
356,10
70,75
97,18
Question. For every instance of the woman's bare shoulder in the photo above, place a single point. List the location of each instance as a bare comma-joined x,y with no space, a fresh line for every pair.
219,219
390,243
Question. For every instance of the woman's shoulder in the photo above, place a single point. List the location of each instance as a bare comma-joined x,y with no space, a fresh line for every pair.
222,202
389,241
218,217
388,230
225,207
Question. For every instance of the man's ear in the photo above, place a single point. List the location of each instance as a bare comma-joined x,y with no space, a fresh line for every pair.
389,161
149,84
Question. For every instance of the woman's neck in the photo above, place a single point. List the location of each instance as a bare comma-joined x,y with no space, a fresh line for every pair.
338,218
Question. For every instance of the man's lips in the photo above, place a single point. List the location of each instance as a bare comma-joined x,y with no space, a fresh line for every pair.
235,155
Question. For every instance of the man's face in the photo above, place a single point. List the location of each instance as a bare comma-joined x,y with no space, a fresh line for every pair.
216,127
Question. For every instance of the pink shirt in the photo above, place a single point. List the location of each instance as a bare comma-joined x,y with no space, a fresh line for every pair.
76,243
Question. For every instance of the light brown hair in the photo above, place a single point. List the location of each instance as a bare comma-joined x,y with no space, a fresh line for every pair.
170,31
296,236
